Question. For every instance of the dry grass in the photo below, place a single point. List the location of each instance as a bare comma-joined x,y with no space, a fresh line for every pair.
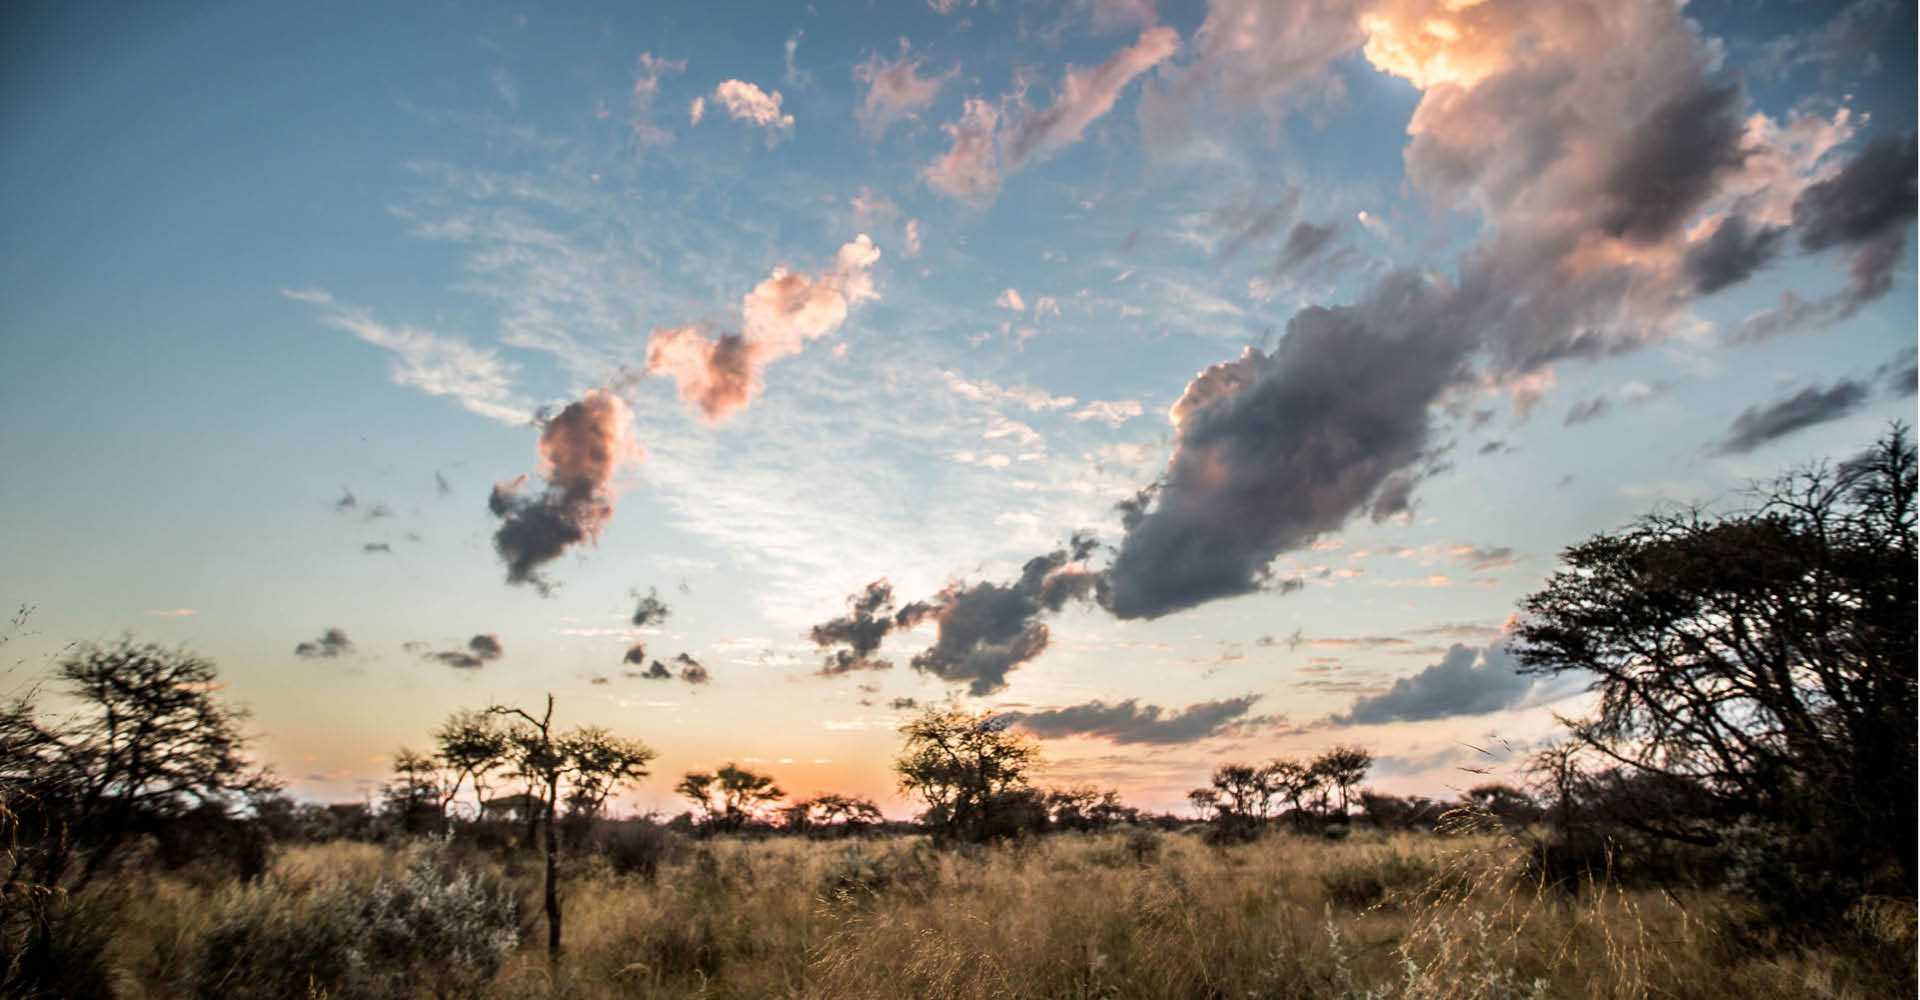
1129,914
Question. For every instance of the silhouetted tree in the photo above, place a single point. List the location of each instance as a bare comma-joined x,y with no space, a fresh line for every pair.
1292,782
601,763
472,746
149,742
412,798
1342,768
1763,659
730,797
969,768
1084,807
595,763
147,748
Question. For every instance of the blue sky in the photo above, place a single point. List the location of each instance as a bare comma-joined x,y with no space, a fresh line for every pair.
263,260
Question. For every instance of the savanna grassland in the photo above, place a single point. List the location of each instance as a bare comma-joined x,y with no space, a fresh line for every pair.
1127,913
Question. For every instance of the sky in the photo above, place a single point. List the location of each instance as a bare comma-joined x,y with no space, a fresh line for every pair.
1194,382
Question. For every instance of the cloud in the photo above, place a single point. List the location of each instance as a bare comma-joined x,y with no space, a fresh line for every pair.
580,448
780,316
696,110
656,672
651,610
1272,451
1453,686
1767,422
988,629
440,485
1590,146
1010,299
914,235
691,671
347,500
1866,205
796,76
1587,410
332,643
1084,96
1252,53
1304,242
1130,722
434,364
374,547
969,170
480,651
895,89
868,619
1732,253
985,145
647,74
748,103
1113,413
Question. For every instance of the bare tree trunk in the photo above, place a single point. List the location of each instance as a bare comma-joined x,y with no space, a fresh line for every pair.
553,886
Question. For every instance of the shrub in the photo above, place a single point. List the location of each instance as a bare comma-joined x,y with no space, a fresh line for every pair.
638,846
855,875
436,925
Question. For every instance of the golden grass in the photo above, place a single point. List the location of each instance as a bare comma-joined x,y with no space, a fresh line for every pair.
1111,915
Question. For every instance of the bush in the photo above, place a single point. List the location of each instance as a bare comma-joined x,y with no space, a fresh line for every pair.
637,846
856,875
53,945
437,925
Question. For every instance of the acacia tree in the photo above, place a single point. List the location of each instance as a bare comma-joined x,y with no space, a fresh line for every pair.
472,746
148,742
730,797
413,796
1290,781
969,767
1763,658
590,757
601,763
1341,769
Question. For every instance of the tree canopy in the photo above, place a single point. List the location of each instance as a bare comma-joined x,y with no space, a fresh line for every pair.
1758,663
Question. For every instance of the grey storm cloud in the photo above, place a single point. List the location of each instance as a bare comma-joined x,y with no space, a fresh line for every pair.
1466,681
1731,254
651,610
988,629
691,671
1670,162
1762,423
636,654
869,617
480,651
1866,205
1273,450
332,643
1871,195
581,447
1130,722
